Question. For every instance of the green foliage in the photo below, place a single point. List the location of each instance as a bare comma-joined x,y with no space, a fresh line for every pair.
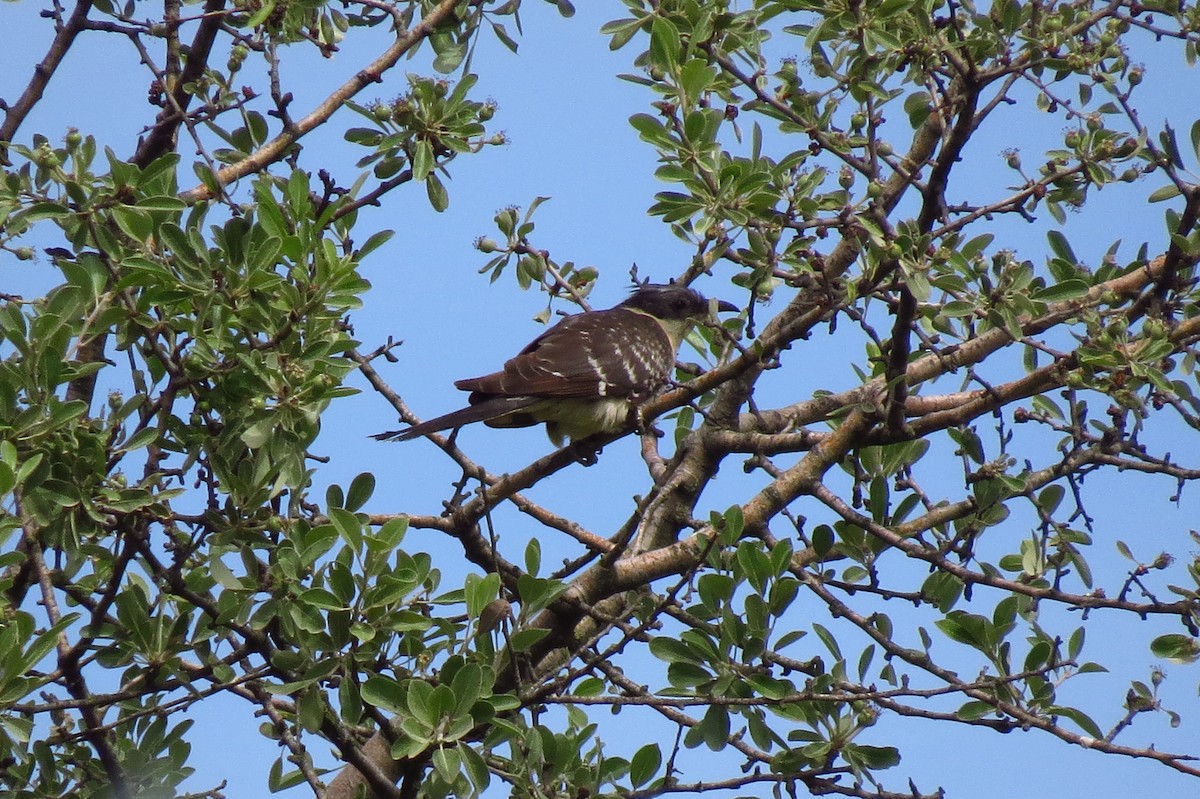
159,406
415,135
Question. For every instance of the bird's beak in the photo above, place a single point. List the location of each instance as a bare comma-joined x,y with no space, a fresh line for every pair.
723,305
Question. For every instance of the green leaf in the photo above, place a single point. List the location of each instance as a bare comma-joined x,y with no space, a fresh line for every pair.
385,694
320,598
449,56
1039,655
1065,290
651,130
1170,145
621,30
731,524
523,640
347,525
258,434
43,210
1075,643
822,540
664,44
480,591
141,438
367,137
537,594
350,705
827,638
1176,647
1048,501
8,479
467,685
161,204
278,781
422,160
874,757
261,15
311,708
134,222
222,575
419,701
714,728
1164,193
376,240
502,34
645,764
968,628
974,710
447,763
476,768
1079,717
589,686
696,77
672,650
754,564
44,643
769,687
687,676
533,557
361,488
438,198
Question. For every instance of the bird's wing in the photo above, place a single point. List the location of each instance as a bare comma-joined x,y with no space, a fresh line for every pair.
613,353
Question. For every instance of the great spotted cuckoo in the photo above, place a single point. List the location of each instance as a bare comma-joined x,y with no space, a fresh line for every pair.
586,375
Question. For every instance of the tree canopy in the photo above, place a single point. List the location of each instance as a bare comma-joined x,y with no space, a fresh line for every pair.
882,498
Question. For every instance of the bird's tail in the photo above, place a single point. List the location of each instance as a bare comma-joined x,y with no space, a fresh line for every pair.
487,410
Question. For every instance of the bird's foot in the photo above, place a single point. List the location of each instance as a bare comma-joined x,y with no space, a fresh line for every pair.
641,427
586,453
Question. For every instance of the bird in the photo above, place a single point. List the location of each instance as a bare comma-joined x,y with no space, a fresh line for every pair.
587,374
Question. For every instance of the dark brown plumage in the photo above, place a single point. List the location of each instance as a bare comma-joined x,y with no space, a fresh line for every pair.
585,375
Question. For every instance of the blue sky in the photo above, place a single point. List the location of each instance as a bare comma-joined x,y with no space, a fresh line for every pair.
566,116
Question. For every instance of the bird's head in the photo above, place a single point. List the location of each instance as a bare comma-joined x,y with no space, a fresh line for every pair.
671,302
675,306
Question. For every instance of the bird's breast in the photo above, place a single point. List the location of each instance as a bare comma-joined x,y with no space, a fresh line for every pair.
576,419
